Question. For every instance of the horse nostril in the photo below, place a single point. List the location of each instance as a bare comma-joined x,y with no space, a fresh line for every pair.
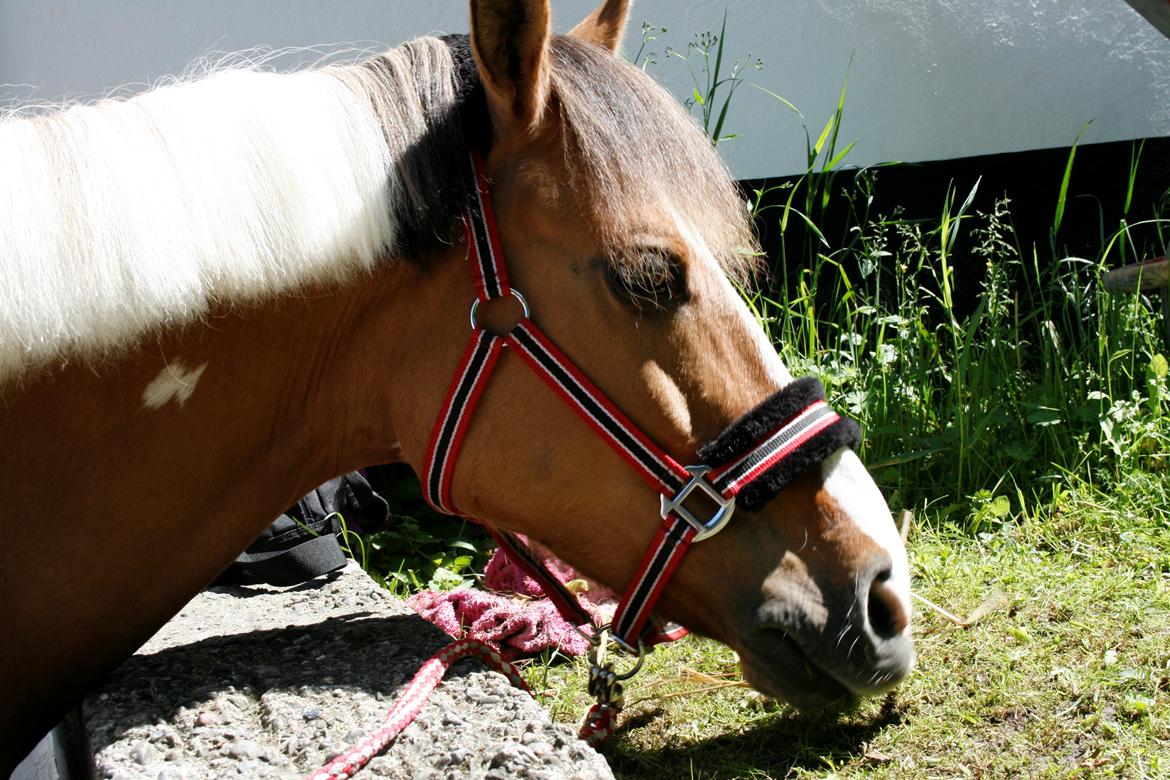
887,616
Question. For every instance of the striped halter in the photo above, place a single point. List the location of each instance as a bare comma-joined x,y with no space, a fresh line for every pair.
750,461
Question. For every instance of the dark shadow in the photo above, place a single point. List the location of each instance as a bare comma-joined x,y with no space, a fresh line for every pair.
374,655
227,584
779,746
377,655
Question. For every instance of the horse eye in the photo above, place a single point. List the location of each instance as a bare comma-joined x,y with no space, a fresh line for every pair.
648,279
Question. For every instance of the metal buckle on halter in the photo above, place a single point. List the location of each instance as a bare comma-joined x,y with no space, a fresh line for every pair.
511,291
716,522
605,684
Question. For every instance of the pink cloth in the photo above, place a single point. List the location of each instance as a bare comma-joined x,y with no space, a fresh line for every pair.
502,576
521,623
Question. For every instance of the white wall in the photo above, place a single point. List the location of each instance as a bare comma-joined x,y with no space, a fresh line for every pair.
931,79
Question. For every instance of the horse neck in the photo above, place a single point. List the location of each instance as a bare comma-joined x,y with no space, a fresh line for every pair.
179,427
290,386
137,480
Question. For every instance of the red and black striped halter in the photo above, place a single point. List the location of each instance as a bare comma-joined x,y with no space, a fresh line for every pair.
752,460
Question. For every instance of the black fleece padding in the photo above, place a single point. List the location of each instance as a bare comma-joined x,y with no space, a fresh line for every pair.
746,432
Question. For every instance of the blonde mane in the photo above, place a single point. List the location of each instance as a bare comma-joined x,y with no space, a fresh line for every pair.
130,215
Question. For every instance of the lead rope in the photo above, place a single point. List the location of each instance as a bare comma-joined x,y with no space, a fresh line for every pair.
412,700
599,724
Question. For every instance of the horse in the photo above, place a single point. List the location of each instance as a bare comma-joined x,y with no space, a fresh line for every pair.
218,294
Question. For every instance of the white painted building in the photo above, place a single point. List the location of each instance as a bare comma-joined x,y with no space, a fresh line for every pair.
930,79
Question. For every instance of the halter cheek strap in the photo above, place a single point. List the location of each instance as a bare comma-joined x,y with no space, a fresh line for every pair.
751,461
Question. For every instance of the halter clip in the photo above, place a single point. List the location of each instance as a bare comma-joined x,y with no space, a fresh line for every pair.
605,683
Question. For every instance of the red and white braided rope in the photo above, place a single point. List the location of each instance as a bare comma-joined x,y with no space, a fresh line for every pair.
412,700
600,724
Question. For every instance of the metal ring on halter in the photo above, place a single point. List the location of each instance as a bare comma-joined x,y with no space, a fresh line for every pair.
511,291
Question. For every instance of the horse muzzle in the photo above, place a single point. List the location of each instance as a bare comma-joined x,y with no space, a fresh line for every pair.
811,644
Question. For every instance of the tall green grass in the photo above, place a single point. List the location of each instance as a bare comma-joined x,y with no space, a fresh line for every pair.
975,398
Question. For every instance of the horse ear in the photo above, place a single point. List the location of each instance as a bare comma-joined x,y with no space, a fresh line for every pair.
605,25
509,39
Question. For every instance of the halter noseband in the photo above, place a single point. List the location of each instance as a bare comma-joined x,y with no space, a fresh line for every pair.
751,461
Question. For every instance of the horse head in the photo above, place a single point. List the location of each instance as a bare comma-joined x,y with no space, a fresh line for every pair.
626,235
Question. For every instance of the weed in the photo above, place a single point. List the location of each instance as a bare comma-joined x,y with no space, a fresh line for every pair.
1020,375
713,84
422,549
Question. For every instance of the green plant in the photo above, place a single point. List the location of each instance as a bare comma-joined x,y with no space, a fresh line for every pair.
643,58
809,196
438,554
1035,374
713,85
420,549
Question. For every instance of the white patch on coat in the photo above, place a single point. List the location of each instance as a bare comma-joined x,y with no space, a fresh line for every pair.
853,489
774,367
176,382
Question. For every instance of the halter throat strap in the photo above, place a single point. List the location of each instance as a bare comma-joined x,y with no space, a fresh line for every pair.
752,460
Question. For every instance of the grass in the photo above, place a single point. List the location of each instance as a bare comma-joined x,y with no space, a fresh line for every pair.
420,549
1065,674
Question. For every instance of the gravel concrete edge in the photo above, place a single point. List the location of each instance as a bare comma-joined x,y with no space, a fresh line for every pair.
264,682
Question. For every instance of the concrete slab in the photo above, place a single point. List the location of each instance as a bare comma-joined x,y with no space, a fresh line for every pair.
265,682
